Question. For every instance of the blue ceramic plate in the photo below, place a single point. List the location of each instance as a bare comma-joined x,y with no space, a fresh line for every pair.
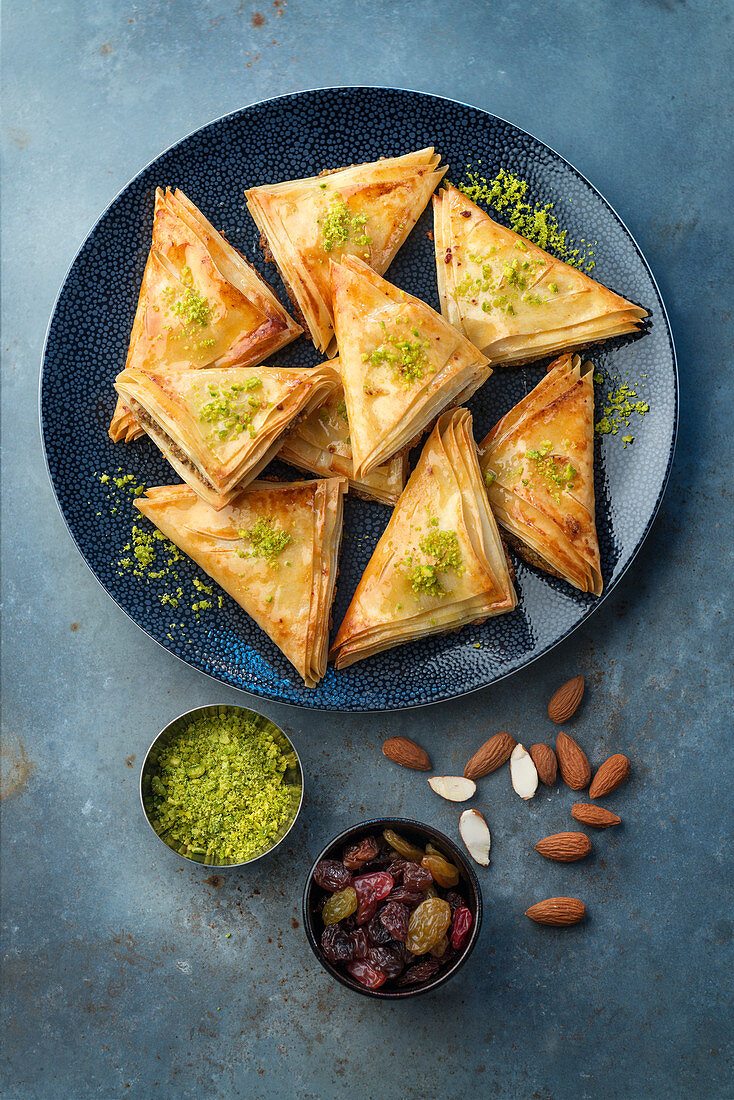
298,135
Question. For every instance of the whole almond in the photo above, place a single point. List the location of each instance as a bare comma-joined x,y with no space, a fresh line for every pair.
610,775
403,751
564,702
545,761
596,816
490,756
558,912
564,847
572,762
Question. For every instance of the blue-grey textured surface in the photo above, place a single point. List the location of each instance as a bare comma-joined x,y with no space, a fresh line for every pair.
120,977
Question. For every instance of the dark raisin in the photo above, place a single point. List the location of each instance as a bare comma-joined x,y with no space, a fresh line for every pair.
376,931
331,874
356,855
387,960
337,945
455,900
396,869
360,943
420,972
448,956
410,898
395,916
416,877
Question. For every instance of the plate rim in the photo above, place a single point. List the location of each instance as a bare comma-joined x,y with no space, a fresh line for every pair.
263,692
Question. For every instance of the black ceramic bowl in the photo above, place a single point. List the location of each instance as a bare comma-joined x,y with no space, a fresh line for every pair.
419,834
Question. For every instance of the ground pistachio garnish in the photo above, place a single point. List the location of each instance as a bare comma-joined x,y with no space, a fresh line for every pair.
442,554
267,539
230,409
405,356
219,790
503,283
150,557
339,225
507,194
557,477
193,311
618,409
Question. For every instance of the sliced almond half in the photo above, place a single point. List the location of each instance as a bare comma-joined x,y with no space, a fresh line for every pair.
453,787
474,831
523,773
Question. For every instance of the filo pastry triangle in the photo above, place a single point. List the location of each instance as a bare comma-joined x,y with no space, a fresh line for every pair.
440,563
401,363
321,444
220,428
514,301
201,304
367,210
274,549
538,464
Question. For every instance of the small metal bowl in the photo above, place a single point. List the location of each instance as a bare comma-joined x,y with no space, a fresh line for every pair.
293,776
418,833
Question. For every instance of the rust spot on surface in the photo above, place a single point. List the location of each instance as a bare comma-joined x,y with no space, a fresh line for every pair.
258,19
15,767
295,923
73,627
130,760
215,881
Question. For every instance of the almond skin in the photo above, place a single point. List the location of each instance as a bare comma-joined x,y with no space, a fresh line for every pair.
490,756
596,816
612,774
572,762
564,702
545,761
558,912
403,751
564,847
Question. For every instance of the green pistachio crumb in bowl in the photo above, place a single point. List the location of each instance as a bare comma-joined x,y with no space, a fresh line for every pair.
221,785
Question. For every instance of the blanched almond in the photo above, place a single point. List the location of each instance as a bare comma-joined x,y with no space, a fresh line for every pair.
474,831
453,787
523,773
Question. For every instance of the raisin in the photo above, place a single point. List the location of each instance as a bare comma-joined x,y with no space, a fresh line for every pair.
416,877
355,855
443,872
411,898
376,931
460,926
366,974
428,925
360,943
331,874
394,918
403,846
448,956
440,949
420,972
337,945
455,900
387,960
339,906
396,869
370,890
